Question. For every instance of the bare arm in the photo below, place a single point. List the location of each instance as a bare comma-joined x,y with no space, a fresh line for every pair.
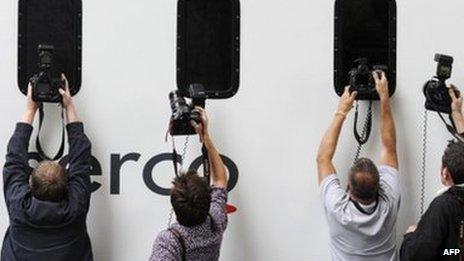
329,142
456,110
219,173
389,155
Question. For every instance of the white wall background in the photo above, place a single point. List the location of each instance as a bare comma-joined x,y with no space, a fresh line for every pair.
271,128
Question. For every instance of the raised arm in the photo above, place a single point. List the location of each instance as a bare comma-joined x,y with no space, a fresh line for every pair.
329,142
16,170
79,144
219,173
388,154
67,101
456,110
79,156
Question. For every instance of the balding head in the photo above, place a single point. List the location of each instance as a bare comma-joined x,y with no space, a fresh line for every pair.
364,181
48,181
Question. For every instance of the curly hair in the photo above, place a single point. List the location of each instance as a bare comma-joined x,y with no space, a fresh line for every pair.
191,199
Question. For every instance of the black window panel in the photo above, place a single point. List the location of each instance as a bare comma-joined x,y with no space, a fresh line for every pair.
208,46
364,29
52,22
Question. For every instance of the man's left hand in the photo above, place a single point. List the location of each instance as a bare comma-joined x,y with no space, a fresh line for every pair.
381,84
31,107
66,94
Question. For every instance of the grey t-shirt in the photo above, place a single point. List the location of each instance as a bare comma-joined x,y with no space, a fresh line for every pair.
358,236
202,242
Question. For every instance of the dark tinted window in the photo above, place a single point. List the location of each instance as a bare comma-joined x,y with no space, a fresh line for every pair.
208,34
51,22
364,29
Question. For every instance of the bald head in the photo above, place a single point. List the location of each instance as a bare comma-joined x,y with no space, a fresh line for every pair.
364,181
48,181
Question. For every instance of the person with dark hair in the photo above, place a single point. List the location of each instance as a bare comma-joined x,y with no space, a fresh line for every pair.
361,218
440,231
48,205
200,210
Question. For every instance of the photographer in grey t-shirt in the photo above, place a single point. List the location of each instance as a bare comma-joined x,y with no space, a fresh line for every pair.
361,218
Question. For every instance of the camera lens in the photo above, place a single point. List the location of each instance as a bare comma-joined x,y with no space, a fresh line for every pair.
179,107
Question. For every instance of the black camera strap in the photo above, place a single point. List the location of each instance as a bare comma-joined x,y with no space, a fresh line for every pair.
206,163
175,161
175,157
451,127
41,152
366,130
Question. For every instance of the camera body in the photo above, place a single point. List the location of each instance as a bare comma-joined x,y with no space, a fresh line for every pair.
46,83
183,112
436,93
362,81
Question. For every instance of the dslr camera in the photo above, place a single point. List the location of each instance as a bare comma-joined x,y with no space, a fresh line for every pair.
183,112
436,93
46,83
361,79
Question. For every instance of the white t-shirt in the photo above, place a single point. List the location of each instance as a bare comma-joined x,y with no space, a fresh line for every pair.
358,236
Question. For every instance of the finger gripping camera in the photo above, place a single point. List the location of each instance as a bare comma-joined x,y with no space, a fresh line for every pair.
46,83
183,112
361,79
436,93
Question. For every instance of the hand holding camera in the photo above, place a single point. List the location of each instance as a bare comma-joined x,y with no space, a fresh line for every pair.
381,84
456,101
201,127
66,98
362,78
346,101
67,101
183,113
31,107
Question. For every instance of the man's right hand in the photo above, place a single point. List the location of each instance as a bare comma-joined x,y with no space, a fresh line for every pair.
201,128
346,101
456,102
456,109
31,107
